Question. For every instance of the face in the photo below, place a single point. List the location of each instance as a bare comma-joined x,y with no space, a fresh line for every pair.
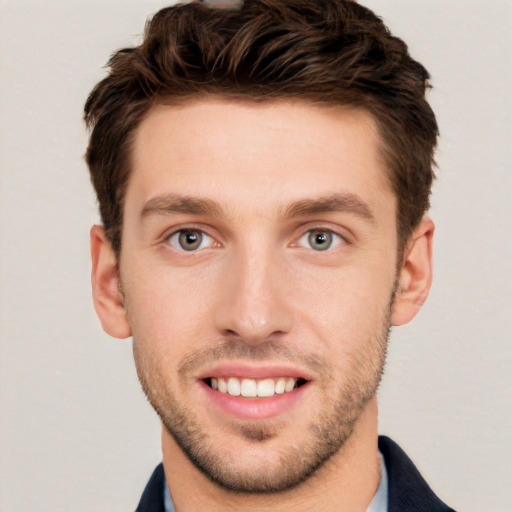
258,267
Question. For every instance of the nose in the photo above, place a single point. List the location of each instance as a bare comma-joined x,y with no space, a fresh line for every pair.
253,302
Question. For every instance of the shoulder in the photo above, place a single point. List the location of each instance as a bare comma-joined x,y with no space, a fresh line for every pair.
407,489
152,497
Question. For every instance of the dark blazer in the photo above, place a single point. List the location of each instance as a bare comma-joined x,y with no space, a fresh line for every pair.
407,490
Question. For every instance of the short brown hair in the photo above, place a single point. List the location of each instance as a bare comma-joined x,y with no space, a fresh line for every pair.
333,52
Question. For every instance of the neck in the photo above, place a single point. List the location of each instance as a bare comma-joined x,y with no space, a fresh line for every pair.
347,481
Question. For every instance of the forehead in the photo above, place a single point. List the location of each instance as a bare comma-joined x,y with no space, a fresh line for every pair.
271,153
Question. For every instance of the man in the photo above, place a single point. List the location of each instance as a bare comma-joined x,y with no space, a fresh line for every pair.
263,174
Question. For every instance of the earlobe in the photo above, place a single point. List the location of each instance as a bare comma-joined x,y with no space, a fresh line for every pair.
415,277
106,292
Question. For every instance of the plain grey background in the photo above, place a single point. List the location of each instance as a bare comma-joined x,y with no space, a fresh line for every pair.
76,432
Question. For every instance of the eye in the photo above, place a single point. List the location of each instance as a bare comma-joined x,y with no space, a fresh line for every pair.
320,239
190,240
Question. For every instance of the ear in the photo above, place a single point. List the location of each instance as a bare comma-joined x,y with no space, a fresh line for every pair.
415,277
106,291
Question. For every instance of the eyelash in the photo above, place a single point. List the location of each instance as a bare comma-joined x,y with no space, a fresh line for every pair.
173,238
335,238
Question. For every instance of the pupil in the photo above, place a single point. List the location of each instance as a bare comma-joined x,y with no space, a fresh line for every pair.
320,240
190,240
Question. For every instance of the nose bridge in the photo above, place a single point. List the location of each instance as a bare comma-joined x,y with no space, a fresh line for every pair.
254,304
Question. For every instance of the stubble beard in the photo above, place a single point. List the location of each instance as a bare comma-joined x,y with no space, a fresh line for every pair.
326,434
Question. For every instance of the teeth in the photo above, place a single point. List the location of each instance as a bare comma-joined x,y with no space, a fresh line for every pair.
290,384
252,388
266,387
233,386
280,386
248,388
223,385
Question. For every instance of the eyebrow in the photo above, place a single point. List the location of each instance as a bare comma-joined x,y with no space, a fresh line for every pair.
172,203
175,204
349,203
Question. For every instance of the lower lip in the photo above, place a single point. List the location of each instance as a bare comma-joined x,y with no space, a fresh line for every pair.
254,408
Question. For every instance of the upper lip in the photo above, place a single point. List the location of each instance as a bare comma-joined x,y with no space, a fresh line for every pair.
254,371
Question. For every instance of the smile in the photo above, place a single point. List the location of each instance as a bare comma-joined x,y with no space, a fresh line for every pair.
254,388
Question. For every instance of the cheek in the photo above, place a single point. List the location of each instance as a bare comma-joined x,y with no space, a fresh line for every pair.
346,299
165,307
351,322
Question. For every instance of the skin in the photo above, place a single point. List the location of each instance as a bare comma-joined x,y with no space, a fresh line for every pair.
258,296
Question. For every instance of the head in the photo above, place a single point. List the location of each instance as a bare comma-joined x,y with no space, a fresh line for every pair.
330,52
262,173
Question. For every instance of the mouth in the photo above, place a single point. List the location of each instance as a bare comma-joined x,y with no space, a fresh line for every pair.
254,392
254,388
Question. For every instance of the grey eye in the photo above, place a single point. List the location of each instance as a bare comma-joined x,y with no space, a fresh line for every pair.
320,239
190,240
